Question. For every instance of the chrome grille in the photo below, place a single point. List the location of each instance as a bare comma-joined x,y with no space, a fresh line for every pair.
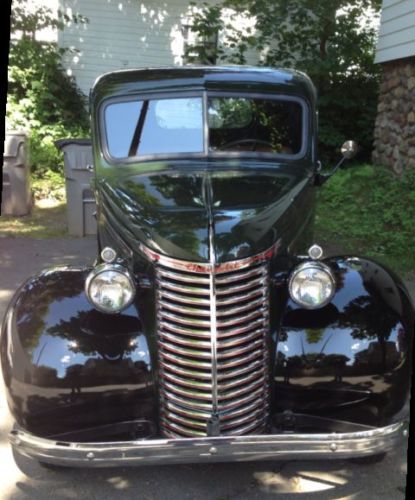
212,324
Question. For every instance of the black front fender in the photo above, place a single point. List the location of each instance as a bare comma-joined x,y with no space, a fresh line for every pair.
352,358
69,367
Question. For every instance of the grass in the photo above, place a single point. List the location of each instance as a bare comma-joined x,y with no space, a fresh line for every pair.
366,210
47,220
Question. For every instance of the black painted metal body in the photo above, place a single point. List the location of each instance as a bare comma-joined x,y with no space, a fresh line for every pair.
70,370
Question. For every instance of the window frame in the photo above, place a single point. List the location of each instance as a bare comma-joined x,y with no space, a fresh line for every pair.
206,153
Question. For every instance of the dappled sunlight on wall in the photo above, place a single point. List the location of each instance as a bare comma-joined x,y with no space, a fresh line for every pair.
122,34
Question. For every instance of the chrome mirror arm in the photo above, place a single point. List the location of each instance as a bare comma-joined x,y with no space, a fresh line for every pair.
348,150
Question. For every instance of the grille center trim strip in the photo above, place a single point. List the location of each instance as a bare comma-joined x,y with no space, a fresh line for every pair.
213,324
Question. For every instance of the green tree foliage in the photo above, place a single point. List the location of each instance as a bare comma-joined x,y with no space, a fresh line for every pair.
333,41
42,98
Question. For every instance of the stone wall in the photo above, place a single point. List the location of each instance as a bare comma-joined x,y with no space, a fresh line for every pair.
394,144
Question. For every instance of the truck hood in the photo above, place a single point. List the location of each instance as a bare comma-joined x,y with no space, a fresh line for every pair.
173,211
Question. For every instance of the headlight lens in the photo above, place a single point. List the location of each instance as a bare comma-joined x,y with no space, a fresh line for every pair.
311,285
110,288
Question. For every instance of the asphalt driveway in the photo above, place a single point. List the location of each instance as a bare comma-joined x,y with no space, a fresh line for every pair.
334,479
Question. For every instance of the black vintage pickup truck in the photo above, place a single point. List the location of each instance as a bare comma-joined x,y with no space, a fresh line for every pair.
211,326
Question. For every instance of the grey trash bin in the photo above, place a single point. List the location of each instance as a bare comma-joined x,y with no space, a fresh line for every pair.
17,194
80,199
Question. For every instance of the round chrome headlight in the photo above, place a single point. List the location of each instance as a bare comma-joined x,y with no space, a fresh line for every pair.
311,285
110,288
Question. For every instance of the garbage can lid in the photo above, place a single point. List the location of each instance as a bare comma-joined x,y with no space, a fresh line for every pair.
61,143
12,142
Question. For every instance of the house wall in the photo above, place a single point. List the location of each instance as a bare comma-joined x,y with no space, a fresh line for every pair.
397,30
394,144
123,34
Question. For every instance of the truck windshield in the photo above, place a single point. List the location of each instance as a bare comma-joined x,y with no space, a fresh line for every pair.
137,128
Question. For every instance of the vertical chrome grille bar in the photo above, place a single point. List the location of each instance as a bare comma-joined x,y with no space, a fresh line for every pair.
213,323
213,355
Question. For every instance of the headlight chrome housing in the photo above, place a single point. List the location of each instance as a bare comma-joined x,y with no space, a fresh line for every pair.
311,285
110,288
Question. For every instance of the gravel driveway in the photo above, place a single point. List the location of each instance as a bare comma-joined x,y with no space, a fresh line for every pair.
334,479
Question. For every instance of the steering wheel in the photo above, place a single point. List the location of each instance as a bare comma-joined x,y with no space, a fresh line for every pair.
254,143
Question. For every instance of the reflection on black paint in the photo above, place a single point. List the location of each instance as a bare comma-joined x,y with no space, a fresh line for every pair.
353,350
74,366
170,210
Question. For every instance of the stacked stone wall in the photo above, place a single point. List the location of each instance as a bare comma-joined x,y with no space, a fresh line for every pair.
394,144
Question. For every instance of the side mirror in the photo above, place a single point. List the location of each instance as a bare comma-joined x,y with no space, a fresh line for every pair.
348,151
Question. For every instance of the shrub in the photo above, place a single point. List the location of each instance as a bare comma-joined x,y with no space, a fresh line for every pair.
42,98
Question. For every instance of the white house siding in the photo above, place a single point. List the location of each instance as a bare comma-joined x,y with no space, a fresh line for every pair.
48,34
397,30
394,133
122,34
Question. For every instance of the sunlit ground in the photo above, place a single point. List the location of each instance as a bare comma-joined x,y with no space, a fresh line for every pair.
47,220
300,482
10,474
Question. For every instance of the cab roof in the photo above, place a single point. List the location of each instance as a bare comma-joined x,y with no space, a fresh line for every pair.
199,78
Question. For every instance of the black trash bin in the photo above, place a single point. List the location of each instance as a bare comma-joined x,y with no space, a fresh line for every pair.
80,199
17,194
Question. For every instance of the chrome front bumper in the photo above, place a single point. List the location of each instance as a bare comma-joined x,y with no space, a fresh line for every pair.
210,449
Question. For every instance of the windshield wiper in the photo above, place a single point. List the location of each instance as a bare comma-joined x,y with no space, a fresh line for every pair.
135,143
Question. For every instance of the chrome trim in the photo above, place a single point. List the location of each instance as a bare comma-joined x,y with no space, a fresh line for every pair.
217,313
186,300
183,320
197,405
369,441
100,268
256,376
240,319
183,309
315,252
213,319
188,383
221,280
184,341
244,389
238,309
254,355
183,277
312,264
195,394
246,369
184,351
182,371
223,344
235,351
241,329
257,394
185,289
185,362
108,255
236,299
241,288
202,267
184,330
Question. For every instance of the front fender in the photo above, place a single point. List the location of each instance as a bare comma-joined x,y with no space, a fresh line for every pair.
351,359
69,367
